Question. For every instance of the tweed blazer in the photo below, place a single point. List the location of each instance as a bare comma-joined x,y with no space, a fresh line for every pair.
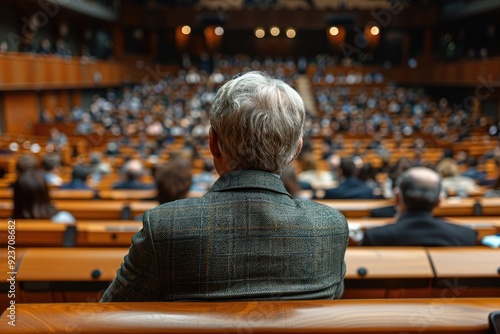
245,239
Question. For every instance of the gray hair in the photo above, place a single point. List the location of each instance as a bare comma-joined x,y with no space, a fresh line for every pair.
259,122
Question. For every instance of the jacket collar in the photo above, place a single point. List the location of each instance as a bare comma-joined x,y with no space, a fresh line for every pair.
246,179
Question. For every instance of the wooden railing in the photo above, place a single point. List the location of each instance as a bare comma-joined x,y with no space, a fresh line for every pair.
440,315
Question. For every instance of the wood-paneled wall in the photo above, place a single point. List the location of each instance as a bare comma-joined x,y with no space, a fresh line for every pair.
40,72
20,112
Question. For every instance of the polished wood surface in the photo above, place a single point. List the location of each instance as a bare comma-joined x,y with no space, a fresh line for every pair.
107,234
70,264
430,316
353,208
474,262
388,262
80,209
35,233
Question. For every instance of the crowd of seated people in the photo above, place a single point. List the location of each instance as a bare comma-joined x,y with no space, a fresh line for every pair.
147,117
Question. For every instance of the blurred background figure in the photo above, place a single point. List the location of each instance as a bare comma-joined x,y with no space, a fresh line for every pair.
454,184
32,199
173,180
51,164
79,178
132,172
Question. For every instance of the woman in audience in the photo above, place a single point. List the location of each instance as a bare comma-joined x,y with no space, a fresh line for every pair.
452,182
32,199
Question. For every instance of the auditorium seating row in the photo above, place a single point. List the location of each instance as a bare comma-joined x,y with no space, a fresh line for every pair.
129,208
118,233
374,316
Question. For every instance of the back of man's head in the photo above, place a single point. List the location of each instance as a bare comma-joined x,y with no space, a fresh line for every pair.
419,189
80,172
258,121
347,167
51,161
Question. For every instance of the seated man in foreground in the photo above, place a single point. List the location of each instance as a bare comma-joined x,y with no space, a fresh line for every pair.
246,238
417,194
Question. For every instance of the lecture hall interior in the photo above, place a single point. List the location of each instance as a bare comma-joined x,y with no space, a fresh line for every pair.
105,114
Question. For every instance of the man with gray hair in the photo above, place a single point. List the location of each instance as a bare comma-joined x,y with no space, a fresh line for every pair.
246,238
417,193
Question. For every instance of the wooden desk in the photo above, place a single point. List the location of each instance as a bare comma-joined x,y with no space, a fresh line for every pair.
31,233
429,316
67,274
448,207
355,208
89,233
387,272
102,209
106,234
70,264
59,194
127,194
467,271
465,207
80,209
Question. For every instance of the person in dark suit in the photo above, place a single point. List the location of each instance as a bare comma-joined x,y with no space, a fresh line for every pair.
246,238
417,194
133,170
350,186
79,177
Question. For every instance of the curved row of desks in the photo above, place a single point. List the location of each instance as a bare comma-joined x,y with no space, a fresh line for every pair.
82,274
127,209
118,233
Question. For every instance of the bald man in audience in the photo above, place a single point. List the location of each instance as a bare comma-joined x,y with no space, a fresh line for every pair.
417,193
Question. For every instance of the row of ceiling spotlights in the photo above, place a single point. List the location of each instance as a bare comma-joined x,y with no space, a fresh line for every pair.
275,31
334,30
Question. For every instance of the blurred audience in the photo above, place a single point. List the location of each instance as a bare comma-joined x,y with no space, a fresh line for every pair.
206,178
